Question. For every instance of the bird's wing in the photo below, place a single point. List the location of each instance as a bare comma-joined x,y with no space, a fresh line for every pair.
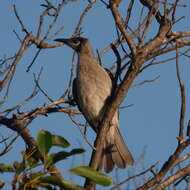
75,95
76,99
114,83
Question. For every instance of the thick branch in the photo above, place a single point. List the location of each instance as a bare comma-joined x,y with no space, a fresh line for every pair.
18,126
117,98
121,25
179,174
44,110
151,6
104,125
43,45
165,168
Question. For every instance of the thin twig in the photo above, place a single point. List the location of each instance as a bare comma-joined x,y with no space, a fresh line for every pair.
149,19
172,4
134,176
121,25
180,160
11,71
181,173
34,93
77,29
183,98
174,10
49,108
33,60
129,11
146,81
82,133
127,106
118,70
45,12
19,20
41,90
9,146
166,166
164,61
56,15
56,33
14,31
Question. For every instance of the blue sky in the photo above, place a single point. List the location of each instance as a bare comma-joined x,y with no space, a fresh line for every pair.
152,121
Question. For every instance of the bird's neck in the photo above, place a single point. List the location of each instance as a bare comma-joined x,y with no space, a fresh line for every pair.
86,63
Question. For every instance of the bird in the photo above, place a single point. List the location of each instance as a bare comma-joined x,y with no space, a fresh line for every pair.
92,87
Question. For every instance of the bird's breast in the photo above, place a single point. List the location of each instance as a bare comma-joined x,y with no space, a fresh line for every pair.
93,88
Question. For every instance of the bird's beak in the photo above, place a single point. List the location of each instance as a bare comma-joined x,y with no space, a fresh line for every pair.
63,40
69,42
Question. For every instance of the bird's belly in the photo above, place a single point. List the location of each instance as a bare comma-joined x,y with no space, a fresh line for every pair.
93,94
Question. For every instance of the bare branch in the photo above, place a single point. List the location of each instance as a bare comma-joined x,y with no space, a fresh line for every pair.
18,37
188,129
7,146
148,21
134,176
164,61
11,71
180,34
118,70
146,81
56,15
115,101
82,133
129,11
42,16
17,126
44,110
19,20
179,174
172,4
121,25
151,6
43,45
185,157
34,59
78,27
34,93
166,167
183,98
174,10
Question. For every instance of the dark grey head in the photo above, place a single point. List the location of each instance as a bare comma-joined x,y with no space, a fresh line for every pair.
79,44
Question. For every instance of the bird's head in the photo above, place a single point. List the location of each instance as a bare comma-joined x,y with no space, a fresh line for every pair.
79,44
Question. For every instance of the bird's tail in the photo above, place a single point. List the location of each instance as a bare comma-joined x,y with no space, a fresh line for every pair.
115,151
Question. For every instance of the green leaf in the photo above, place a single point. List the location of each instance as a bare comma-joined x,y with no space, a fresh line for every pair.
53,158
6,168
53,180
77,151
19,166
44,141
92,174
32,157
2,183
36,175
60,141
48,187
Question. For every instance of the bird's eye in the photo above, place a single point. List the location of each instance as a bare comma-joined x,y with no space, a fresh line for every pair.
76,42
